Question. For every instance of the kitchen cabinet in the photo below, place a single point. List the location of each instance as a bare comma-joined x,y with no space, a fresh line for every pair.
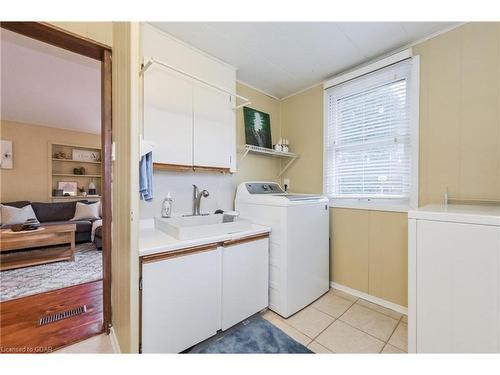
168,116
454,278
187,113
180,300
245,279
187,295
214,137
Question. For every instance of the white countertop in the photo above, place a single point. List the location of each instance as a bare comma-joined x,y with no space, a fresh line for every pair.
152,240
458,213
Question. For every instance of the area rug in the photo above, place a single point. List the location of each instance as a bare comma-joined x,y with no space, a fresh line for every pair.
26,281
253,336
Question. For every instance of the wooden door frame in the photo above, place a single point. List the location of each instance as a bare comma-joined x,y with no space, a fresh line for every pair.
58,37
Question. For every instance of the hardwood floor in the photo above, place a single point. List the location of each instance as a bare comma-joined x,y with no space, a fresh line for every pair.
20,331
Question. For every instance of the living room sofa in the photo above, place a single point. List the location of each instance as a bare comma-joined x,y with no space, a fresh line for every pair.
58,213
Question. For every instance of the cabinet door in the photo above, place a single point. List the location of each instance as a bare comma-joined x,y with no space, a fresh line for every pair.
245,280
168,116
457,288
180,301
214,129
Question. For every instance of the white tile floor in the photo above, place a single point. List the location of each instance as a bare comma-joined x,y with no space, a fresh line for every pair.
341,323
336,323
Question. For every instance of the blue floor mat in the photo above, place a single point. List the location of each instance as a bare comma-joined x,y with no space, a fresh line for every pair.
254,335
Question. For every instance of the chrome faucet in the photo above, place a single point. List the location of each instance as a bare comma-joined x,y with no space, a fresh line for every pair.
197,195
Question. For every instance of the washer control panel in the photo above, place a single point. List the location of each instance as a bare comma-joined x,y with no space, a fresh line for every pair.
264,188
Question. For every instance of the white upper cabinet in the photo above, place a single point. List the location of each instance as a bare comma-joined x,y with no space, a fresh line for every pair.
168,116
192,124
214,130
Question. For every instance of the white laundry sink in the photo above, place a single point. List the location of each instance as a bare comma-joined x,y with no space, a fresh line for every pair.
192,227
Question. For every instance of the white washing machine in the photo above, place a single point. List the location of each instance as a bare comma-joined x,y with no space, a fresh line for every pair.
299,242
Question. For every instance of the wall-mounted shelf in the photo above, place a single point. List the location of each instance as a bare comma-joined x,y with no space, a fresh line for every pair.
76,175
270,152
76,197
76,161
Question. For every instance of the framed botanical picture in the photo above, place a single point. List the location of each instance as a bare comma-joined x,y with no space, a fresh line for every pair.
68,187
257,128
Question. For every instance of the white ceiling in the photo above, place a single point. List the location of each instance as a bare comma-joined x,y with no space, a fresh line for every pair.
47,85
282,58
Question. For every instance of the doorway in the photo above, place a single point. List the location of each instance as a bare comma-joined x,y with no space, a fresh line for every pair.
48,320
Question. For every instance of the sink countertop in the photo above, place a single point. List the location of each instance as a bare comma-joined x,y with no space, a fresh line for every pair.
152,240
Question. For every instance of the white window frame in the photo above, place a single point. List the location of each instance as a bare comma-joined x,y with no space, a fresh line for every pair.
381,204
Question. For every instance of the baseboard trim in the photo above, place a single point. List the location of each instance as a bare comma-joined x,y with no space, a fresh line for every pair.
114,341
370,298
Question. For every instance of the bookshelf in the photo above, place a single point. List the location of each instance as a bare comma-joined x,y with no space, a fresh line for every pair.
63,160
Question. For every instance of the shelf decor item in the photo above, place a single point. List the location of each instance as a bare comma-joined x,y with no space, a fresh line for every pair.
57,192
79,171
61,155
82,191
257,128
92,189
68,187
86,155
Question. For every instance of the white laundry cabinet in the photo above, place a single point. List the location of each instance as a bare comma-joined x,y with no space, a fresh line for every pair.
192,124
454,279
187,295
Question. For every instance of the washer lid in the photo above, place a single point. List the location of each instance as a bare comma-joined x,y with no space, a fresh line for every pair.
303,197
458,213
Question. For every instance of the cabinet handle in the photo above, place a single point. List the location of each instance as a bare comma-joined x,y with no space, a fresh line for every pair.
246,239
177,253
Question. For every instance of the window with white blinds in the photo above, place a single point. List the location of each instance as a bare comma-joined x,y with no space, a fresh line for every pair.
368,135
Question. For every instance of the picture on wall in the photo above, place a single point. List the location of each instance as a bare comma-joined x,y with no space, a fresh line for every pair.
257,128
6,154
68,187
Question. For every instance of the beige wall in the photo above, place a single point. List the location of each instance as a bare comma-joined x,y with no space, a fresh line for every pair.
125,250
101,32
303,126
257,167
460,114
29,179
459,149
369,252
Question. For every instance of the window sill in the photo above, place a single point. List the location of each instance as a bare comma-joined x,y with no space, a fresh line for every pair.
354,204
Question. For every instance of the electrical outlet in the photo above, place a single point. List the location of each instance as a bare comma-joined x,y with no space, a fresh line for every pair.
286,181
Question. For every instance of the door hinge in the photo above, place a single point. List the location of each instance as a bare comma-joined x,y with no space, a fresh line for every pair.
140,283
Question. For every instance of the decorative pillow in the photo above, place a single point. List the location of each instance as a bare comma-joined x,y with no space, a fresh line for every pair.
13,215
54,211
87,211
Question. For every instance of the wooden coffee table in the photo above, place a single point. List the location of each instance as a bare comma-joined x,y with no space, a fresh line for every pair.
40,246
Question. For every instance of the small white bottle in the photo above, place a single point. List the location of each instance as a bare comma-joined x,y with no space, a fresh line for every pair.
166,206
285,145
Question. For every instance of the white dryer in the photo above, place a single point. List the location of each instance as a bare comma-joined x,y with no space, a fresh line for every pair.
299,242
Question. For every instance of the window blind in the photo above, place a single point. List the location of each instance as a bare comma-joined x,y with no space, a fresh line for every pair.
367,142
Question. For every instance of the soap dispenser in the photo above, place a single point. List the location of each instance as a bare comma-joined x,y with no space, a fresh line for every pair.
166,206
